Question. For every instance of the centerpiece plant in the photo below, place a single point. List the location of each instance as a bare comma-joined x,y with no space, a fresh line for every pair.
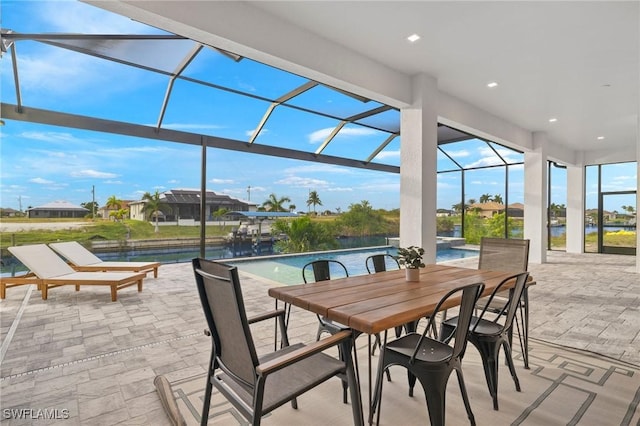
411,258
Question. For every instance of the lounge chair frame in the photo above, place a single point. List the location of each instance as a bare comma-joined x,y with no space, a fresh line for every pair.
36,254
84,260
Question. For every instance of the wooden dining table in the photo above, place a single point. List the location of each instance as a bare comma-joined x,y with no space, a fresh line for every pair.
377,302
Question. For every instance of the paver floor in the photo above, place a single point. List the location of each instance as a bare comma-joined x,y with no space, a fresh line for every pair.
94,360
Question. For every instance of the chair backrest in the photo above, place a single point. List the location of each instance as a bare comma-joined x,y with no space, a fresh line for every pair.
75,253
322,270
380,262
502,254
221,297
470,294
41,260
509,309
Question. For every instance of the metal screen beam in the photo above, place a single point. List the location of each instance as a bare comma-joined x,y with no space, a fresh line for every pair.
34,115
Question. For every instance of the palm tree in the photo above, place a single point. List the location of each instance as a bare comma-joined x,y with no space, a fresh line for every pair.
498,199
275,204
113,204
119,214
154,205
314,199
292,208
220,212
485,198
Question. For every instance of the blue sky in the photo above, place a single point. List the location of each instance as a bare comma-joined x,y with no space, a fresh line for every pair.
41,164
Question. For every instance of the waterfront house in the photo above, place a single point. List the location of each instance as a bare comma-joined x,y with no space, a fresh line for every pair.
57,209
184,205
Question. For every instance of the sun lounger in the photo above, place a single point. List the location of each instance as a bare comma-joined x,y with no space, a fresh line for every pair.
82,259
48,270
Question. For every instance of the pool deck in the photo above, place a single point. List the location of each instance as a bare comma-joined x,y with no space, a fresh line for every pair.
97,359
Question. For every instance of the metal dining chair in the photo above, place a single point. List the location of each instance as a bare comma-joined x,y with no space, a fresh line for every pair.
256,385
489,335
511,255
432,361
321,270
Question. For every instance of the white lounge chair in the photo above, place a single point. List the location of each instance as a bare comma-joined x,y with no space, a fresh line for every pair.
48,270
83,260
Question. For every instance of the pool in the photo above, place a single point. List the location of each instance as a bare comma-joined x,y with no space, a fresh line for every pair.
286,269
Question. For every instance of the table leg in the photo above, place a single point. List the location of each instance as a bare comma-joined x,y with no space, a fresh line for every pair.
369,383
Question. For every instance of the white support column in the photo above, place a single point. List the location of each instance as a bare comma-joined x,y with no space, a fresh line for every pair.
418,174
638,189
575,209
535,198
638,168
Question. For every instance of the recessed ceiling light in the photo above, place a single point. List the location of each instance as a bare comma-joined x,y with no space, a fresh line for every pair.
600,138
492,85
553,120
413,38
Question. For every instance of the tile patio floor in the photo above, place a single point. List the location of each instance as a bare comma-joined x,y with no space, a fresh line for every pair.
80,352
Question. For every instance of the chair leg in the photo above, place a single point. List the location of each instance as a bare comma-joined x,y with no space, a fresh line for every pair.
489,353
345,384
207,402
465,396
435,388
319,332
512,368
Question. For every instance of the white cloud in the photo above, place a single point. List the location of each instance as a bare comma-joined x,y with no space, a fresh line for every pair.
298,181
51,136
41,181
388,154
322,134
94,174
249,133
462,153
318,168
221,181
343,189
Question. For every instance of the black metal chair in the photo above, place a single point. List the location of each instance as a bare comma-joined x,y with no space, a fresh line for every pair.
511,255
430,360
320,270
257,385
380,262
488,335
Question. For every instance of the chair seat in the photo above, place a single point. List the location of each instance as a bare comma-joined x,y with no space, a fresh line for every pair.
289,382
431,351
484,327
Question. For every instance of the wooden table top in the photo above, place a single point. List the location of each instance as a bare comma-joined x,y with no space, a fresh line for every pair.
373,303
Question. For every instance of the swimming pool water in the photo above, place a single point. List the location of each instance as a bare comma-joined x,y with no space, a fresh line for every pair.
286,269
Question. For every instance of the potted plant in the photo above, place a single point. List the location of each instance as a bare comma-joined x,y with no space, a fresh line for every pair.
411,258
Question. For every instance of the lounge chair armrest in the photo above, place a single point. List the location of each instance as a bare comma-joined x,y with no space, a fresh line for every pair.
292,357
266,315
